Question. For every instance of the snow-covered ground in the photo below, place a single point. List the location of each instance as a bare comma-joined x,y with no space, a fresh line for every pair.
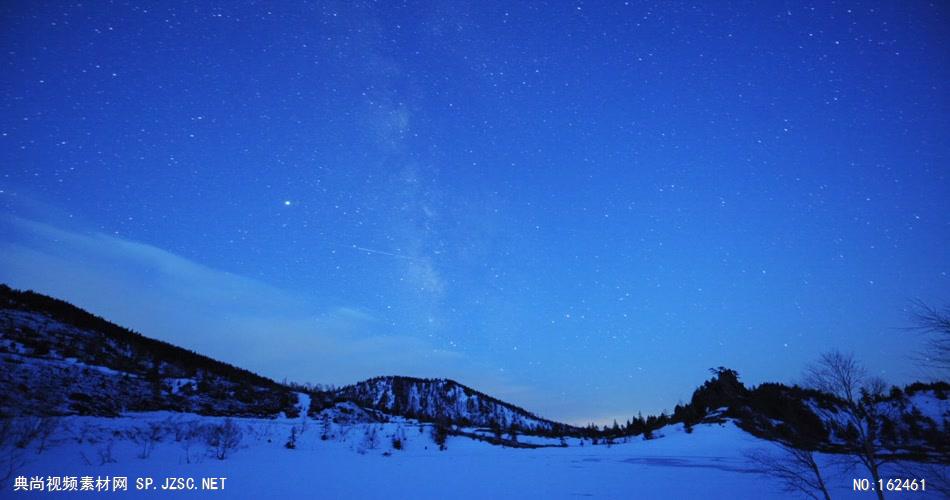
710,462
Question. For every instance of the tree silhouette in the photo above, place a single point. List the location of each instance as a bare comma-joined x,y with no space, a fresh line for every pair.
843,377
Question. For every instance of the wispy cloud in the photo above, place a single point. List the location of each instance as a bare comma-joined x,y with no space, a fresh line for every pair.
121,264
238,319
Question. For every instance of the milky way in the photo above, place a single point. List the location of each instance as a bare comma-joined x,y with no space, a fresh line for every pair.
577,206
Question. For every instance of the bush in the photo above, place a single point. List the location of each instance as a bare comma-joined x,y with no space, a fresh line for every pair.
29,430
146,438
223,439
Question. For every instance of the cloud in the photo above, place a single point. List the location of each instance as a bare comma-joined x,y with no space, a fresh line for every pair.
129,266
243,321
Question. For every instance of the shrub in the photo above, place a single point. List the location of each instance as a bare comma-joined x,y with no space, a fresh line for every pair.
223,439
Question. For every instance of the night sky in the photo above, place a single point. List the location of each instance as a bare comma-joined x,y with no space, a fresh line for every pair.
579,207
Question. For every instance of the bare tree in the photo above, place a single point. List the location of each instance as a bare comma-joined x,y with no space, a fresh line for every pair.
147,438
17,434
224,438
34,430
796,468
857,418
936,324
937,475
371,438
187,434
11,455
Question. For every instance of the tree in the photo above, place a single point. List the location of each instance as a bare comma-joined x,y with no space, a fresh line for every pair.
936,324
796,468
146,438
11,453
224,438
440,433
856,418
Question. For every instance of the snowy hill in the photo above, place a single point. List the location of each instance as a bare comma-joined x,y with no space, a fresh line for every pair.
445,400
76,389
59,360
913,421
56,359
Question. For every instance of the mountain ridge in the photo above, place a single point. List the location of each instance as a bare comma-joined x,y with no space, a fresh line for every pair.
61,359
54,351
58,359
436,399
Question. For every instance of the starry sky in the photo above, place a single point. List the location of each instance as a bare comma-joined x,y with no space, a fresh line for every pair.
579,207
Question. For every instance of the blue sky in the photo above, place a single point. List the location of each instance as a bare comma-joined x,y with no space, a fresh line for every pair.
576,206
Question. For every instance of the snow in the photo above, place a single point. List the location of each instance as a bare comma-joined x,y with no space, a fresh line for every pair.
175,384
106,370
710,462
930,406
442,398
303,402
350,451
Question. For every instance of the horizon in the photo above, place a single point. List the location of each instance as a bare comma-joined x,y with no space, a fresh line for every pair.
578,209
604,422
332,387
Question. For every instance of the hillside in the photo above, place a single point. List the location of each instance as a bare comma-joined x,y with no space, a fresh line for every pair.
913,421
56,359
445,400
